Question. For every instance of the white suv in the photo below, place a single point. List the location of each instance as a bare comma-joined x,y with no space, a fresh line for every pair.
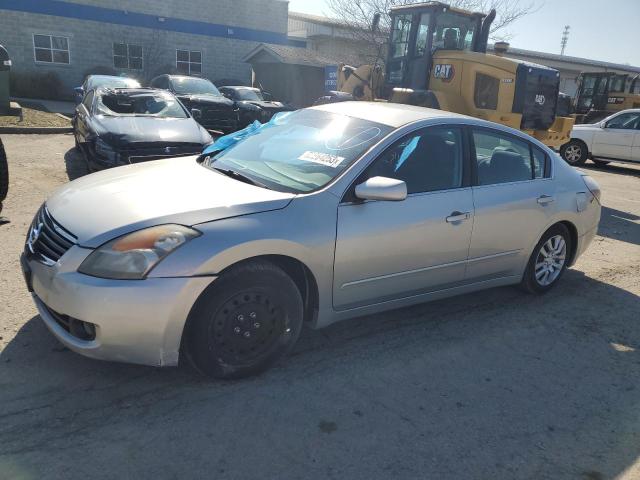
614,139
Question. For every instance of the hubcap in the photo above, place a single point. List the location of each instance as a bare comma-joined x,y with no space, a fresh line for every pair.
247,326
551,260
573,153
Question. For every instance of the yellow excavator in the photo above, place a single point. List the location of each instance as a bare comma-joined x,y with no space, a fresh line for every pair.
601,94
437,57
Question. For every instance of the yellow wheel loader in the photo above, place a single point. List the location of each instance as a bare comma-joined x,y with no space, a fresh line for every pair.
437,58
601,94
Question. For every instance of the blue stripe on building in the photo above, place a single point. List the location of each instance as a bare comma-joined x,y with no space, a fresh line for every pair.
60,8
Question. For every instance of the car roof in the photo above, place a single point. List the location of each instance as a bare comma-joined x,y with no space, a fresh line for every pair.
106,90
391,114
241,87
188,76
111,77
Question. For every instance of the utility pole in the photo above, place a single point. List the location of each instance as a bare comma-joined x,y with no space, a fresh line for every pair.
565,39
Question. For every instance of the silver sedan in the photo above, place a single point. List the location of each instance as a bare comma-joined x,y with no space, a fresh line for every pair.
321,215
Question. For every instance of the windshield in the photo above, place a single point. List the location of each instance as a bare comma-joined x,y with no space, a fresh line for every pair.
151,104
250,94
112,82
454,31
194,86
300,151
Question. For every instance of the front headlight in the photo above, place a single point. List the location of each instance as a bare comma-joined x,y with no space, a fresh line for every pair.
105,150
133,256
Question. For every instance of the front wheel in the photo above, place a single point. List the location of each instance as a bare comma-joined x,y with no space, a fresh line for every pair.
244,322
548,261
574,153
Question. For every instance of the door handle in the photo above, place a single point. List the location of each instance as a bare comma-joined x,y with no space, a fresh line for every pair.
546,200
456,217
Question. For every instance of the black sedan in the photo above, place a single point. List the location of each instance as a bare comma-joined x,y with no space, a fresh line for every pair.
210,108
254,104
129,125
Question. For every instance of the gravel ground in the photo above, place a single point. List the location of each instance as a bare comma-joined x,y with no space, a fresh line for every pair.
494,385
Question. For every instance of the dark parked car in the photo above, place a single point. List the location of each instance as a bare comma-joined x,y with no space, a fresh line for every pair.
121,126
212,109
4,175
254,104
94,81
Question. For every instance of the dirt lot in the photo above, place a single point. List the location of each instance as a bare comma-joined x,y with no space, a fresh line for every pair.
495,385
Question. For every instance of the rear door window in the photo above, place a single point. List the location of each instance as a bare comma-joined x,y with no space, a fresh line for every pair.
502,158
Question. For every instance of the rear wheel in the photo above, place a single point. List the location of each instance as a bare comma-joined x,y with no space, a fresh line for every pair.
245,322
548,261
575,152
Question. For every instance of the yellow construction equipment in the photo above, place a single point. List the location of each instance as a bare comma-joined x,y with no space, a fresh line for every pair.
437,58
601,94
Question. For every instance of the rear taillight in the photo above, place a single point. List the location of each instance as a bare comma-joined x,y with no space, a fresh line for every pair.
593,186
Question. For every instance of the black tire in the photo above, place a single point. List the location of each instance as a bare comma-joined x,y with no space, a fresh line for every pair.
530,283
575,152
244,322
4,175
601,163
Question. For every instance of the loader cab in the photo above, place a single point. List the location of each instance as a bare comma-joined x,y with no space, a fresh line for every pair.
594,89
417,31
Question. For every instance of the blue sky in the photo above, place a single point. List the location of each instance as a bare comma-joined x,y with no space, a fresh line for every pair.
608,31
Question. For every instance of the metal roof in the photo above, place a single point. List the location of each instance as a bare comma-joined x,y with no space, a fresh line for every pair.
569,59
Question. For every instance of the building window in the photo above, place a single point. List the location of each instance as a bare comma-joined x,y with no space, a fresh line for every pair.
127,56
51,49
189,62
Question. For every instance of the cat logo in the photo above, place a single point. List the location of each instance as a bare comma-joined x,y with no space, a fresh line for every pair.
540,100
444,72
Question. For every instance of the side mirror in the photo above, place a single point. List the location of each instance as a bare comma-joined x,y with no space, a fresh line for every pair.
382,188
196,113
79,90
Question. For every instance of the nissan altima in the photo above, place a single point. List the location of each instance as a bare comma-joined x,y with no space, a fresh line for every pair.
321,215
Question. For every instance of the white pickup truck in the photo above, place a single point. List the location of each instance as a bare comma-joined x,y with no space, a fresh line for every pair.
614,139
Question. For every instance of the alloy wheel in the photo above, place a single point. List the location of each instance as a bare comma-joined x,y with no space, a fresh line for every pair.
550,261
573,153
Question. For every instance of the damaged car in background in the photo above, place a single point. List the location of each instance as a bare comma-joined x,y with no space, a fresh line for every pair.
254,104
122,126
203,99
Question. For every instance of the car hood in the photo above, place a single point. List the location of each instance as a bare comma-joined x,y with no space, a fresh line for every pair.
266,105
105,205
120,131
217,100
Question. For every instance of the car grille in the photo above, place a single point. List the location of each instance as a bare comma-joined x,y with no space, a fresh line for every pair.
47,240
145,153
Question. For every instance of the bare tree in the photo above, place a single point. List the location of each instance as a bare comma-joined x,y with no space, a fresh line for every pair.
357,15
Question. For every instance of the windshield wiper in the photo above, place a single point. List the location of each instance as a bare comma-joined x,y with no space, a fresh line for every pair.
240,177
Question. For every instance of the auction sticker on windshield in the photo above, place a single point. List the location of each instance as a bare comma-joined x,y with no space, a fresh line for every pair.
327,159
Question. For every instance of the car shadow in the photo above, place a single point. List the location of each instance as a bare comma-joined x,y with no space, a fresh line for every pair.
519,386
75,164
619,168
619,225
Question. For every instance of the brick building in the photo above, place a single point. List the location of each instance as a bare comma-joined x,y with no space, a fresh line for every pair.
140,38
